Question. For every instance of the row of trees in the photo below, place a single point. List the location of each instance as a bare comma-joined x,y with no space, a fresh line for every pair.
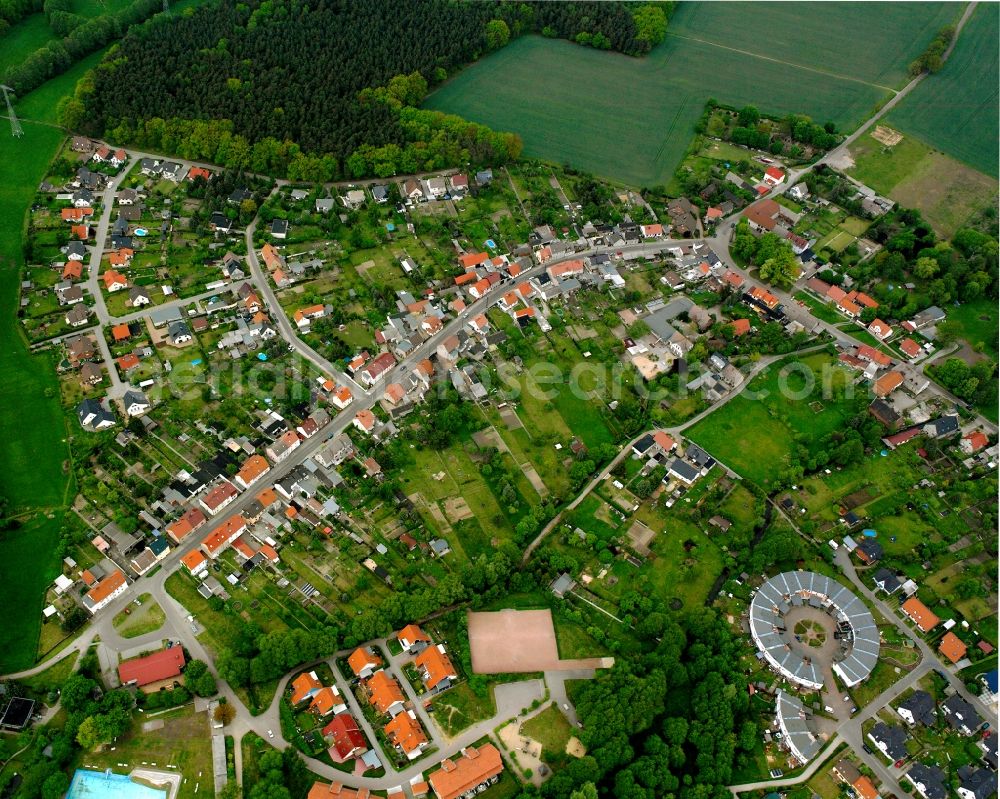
80,38
932,59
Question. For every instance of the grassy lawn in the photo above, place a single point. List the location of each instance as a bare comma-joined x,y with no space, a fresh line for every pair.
882,676
135,621
754,433
946,191
460,707
183,741
54,676
819,308
951,109
551,729
836,64
979,321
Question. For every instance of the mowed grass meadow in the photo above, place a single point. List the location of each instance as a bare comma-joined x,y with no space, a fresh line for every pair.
956,109
632,119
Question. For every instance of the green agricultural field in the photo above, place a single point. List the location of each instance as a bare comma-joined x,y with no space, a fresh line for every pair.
32,430
956,110
754,433
26,573
839,67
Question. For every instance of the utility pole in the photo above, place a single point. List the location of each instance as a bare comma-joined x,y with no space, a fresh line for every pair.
15,126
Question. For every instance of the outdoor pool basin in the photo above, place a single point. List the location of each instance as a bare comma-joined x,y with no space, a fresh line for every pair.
108,785
141,231
491,244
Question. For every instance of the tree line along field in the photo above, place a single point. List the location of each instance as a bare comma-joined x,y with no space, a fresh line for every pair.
33,32
590,103
956,109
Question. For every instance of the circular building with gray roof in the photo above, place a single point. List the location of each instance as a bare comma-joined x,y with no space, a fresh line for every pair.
804,623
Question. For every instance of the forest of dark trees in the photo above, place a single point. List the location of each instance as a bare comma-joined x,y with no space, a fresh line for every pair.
321,80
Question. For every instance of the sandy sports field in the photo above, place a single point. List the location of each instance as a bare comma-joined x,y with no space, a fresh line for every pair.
519,641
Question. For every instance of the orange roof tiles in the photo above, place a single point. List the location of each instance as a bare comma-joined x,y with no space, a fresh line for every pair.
111,277
304,686
267,497
217,540
383,691
573,267
741,327
361,658
869,353
325,700
472,259
270,553
865,788
252,470
952,647
244,547
849,307
922,615
412,634
73,270
457,776
764,296
405,732
888,383
910,348
336,790
106,587
436,665
121,332
193,560
664,441
977,440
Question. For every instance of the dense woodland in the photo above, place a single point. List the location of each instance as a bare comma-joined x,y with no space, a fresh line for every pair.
329,87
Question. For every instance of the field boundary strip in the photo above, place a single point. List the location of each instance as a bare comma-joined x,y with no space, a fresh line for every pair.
752,54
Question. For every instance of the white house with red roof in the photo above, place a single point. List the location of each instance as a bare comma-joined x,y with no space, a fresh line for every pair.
774,176
880,330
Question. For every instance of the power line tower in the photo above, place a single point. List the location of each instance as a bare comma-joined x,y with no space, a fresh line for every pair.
166,6
15,126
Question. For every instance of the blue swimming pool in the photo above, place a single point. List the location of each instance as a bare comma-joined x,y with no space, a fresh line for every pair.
105,785
491,244
141,231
